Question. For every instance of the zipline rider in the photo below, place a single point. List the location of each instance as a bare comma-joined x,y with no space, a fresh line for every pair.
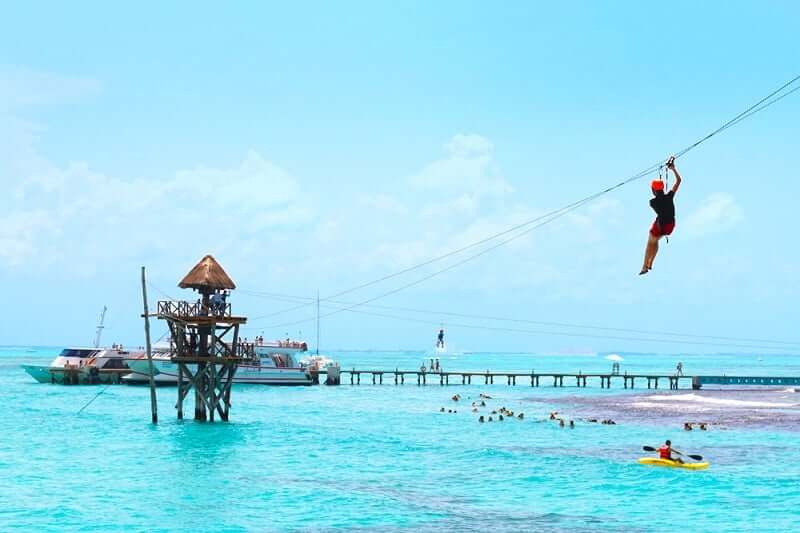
664,206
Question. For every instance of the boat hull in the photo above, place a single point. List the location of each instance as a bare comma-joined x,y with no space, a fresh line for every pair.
76,376
39,373
166,373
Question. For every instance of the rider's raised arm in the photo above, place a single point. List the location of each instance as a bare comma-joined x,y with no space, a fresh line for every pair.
671,166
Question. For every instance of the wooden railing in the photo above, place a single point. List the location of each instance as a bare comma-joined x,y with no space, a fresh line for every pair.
181,309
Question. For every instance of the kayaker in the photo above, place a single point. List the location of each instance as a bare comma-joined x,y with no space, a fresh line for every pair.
665,452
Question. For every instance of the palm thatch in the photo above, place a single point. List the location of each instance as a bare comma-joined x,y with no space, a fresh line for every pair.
207,274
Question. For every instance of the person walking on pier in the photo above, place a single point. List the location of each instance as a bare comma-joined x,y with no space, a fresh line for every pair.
664,206
679,368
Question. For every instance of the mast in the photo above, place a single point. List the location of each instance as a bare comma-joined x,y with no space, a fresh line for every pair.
317,321
100,328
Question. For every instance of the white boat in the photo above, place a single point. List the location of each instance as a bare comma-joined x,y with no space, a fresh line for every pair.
317,362
274,364
82,365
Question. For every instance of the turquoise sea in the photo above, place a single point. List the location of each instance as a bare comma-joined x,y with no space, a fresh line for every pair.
384,458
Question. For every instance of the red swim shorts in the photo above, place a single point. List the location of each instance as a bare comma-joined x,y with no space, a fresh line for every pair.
658,231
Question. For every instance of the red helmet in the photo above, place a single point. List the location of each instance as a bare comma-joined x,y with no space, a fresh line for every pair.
657,185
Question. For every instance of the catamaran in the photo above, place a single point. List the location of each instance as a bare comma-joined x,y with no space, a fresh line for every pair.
84,365
274,363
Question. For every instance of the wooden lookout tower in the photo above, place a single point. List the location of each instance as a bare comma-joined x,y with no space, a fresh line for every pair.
205,340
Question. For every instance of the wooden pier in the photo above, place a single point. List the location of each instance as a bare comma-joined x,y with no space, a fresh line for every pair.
699,381
534,379
553,379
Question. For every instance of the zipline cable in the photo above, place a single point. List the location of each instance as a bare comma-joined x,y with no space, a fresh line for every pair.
759,106
660,340
339,304
440,271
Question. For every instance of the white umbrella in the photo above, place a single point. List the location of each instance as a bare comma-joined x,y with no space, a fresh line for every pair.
614,357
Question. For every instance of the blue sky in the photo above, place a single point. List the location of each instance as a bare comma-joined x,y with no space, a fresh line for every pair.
322,145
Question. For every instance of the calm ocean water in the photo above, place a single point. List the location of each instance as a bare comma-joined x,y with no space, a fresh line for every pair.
384,458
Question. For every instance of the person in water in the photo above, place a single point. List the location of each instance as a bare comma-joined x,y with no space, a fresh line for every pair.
664,206
440,339
666,451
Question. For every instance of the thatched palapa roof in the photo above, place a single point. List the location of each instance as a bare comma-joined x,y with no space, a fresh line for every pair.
207,274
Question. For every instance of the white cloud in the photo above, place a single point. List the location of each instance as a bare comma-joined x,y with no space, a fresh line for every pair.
718,213
382,202
23,87
77,217
257,216
467,168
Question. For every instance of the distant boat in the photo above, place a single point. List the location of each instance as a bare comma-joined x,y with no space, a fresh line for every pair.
274,364
84,365
614,357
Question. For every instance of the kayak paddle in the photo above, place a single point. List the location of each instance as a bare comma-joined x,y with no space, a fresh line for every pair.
695,457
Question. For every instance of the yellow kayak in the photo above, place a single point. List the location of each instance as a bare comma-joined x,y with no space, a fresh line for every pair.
655,461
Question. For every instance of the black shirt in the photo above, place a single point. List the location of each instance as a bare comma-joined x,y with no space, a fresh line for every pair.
664,207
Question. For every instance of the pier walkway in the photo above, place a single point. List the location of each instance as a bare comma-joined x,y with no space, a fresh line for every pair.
534,379
699,381
554,379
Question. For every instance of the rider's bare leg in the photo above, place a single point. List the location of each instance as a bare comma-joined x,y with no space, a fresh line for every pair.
653,250
649,253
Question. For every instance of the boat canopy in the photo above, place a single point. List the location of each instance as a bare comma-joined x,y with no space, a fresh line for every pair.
77,352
